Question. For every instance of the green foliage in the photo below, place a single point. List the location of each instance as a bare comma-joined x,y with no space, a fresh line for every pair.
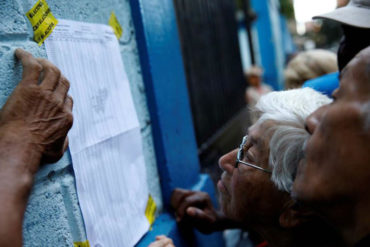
287,9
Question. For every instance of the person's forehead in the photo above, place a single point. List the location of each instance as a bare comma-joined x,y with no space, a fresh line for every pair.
259,131
355,77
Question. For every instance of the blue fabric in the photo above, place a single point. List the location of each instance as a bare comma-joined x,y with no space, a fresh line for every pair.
325,84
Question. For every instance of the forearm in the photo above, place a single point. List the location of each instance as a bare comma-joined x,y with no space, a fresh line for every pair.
19,160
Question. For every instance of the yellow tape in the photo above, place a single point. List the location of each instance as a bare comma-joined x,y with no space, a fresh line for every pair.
151,207
42,20
81,244
113,22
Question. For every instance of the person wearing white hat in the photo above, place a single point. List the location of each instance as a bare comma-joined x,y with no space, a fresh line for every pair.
356,14
355,20
256,89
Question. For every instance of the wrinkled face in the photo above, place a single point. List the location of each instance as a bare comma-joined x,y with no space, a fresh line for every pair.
247,194
337,163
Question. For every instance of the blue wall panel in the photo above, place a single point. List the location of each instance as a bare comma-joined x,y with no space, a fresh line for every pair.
168,102
267,45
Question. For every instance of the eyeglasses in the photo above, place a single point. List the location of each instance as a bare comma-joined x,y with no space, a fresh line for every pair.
240,156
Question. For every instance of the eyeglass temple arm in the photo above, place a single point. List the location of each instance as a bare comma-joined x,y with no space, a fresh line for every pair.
254,166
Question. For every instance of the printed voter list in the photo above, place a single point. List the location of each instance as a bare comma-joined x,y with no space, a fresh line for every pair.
105,140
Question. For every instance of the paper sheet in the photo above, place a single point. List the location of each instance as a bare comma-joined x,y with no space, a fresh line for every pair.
105,140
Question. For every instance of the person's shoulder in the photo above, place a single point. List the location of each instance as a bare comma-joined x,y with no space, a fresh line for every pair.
325,84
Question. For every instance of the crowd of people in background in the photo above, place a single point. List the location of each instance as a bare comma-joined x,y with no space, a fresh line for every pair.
300,176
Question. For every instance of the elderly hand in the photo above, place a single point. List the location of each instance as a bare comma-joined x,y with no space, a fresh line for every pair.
40,107
162,241
34,123
195,208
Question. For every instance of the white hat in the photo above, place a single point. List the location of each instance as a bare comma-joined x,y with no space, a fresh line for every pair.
356,13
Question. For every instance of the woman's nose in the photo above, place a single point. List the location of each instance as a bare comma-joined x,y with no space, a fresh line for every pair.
227,161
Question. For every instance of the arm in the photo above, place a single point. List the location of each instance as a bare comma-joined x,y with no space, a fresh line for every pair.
18,162
33,126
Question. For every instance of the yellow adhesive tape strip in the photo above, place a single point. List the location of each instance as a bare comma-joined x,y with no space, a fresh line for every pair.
113,22
81,244
42,20
151,207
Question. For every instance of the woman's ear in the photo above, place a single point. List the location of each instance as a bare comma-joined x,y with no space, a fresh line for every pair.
295,215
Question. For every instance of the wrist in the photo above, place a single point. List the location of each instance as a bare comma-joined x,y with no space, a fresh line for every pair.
18,147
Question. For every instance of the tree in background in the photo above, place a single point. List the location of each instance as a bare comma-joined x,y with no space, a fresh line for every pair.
287,9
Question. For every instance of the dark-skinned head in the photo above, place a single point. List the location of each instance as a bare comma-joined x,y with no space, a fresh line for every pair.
354,40
336,166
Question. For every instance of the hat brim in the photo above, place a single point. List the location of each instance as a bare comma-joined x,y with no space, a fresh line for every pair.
350,15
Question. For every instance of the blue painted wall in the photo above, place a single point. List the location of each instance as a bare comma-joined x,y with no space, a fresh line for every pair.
168,101
270,41
151,54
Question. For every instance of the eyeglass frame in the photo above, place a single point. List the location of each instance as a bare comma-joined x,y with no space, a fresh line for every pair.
239,157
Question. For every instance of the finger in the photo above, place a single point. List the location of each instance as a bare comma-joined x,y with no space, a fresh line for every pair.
186,201
197,199
65,145
62,88
69,103
199,215
68,113
51,75
167,241
154,244
161,243
164,241
160,237
31,67
178,196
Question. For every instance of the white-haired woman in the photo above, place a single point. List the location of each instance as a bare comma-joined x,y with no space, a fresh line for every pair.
257,179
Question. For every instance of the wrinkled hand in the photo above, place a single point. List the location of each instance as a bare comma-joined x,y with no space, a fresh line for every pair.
162,241
40,106
195,208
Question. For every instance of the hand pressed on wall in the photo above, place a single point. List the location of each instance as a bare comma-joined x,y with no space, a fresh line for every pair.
34,123
40,106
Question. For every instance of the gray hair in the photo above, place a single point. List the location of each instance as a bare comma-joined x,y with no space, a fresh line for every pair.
288,110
